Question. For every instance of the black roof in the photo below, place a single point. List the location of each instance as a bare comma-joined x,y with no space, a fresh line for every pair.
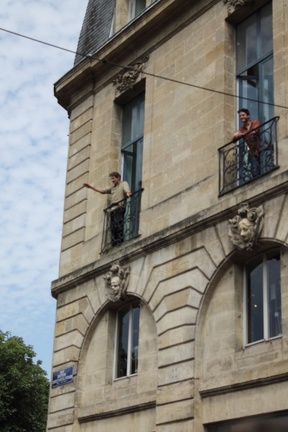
95,28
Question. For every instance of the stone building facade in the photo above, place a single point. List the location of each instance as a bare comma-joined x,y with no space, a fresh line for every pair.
193,335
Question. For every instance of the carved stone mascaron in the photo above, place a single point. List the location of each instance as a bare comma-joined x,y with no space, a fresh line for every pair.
246,226
116,281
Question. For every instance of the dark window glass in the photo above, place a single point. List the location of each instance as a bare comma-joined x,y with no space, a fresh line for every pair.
123,328
135,340
136,7
263,290
127,340
274,295
254,64
140,6
132,141
255,301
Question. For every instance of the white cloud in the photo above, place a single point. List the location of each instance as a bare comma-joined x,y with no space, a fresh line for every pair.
33,143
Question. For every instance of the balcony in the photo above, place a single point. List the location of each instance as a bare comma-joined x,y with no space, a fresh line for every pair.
237,165
121,221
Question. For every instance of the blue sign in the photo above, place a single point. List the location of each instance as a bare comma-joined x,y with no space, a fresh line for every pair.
62,377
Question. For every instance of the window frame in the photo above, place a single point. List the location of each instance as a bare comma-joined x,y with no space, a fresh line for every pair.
132,305
259,61
133,147
265,293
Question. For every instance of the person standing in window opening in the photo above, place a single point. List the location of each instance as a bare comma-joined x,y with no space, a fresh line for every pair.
252,139
119,191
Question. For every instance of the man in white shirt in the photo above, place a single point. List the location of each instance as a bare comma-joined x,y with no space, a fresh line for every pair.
119,191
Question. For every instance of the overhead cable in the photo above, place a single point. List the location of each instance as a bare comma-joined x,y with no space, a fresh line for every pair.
106,61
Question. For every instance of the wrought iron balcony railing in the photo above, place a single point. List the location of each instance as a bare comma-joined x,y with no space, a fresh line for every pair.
121,221
251,157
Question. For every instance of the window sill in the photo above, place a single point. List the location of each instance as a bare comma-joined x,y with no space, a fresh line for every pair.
124,377
248,345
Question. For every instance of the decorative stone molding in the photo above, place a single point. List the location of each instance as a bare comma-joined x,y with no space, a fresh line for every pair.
127,79
115,413
246,226
116,281
232,5
245,385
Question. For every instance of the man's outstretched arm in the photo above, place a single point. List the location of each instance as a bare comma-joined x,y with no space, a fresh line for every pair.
89,186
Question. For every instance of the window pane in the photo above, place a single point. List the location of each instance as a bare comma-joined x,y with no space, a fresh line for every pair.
132,167
255,301
123,331
127,123
264,297
133,120
268,87
138,171
141,116
266,38
254,37
140,6
246,42
128,340
249,90
132,142
254,64
274,295
135,339
129,165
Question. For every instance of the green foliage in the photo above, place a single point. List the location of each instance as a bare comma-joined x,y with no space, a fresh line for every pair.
24,387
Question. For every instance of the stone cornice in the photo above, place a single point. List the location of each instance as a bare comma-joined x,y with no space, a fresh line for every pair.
246,385
117,412
141,33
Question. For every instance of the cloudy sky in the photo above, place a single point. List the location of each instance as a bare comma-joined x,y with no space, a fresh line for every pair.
33,142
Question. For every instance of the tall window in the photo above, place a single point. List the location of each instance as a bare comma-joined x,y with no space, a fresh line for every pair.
262,298
136,7
255,64
132,141
127,340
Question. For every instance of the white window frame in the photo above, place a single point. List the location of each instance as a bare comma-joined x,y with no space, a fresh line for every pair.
129,348
265,306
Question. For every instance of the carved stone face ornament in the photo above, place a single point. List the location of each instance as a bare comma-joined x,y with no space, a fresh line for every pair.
246,226
246,230
116,281
115,284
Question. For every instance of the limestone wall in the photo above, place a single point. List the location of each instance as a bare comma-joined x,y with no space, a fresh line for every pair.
185,124
194,369
191,351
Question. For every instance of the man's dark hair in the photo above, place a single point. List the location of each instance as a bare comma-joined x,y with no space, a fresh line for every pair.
115,174
245,110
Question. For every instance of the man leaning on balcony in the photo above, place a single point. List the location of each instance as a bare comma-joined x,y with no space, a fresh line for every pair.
252,139
119,192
